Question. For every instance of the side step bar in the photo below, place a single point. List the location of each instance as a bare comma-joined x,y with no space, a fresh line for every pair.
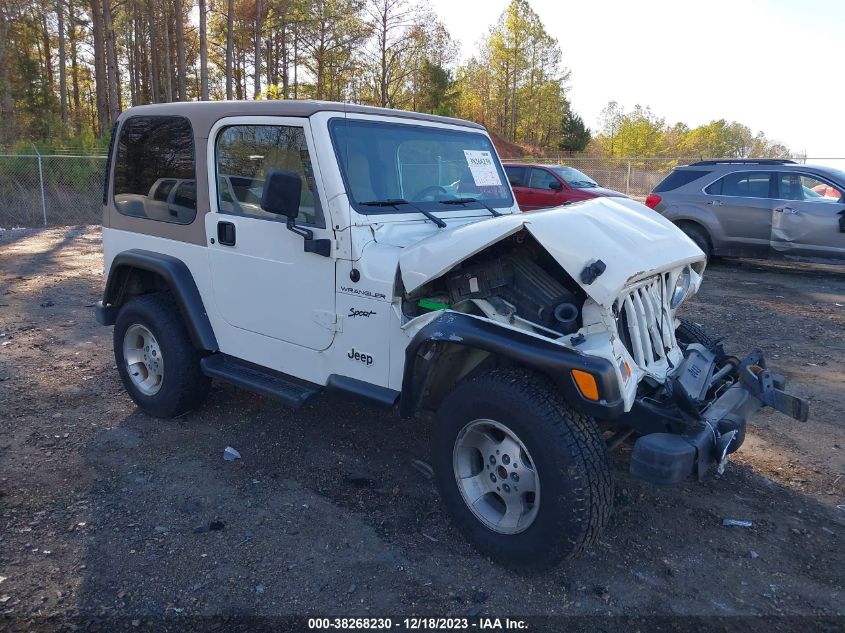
258,379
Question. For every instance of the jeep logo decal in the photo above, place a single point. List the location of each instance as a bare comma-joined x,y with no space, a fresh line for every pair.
366,359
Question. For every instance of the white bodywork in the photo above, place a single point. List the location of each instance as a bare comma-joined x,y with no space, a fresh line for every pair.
272,304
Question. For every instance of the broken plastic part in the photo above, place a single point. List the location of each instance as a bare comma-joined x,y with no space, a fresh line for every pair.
592,272
432,304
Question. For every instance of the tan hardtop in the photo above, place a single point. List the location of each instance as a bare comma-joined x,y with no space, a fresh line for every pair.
204,114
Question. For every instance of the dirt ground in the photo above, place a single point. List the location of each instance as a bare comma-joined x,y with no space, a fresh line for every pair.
107,513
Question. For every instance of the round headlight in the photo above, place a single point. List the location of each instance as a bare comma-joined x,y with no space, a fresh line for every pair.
682,286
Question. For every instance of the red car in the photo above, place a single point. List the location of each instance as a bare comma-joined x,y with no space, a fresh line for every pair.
542,186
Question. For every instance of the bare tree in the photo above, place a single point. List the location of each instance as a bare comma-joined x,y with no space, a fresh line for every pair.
100,78
258,30
155,60
60,14
74,68
168,59
392,22
203,52
180,51
230,45
111,63
7,103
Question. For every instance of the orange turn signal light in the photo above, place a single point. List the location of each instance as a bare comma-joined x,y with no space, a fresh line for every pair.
586,384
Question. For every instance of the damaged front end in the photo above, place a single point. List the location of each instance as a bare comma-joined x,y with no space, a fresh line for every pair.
698,417
601,305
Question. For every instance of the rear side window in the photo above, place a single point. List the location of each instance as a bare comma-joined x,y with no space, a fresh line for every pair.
679,178
742,184
516,176
155,158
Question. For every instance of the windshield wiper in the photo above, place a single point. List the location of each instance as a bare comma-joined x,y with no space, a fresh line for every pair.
395,202
584,183
468,200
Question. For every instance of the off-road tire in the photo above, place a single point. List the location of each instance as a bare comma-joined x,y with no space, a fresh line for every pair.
700,237
567,449
689,332
183,387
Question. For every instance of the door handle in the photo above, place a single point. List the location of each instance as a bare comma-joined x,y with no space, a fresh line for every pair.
715,203
226,233
786,209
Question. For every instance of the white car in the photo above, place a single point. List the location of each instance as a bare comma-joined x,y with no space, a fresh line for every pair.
380,254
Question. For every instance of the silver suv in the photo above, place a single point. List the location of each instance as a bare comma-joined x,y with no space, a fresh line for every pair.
757,208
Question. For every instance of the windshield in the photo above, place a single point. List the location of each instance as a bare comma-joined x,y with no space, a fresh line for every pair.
575,178
427,166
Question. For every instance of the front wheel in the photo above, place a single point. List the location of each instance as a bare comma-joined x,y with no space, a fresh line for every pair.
524,476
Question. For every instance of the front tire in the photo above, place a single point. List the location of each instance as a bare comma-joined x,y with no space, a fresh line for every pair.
508,429
690,332
157,362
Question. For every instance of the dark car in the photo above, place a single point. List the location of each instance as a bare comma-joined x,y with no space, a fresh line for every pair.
757,207
540,186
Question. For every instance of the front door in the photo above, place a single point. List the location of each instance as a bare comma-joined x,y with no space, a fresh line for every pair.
546,190
808,219
263,280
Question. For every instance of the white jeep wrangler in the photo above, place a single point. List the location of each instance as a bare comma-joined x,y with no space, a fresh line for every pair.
293,246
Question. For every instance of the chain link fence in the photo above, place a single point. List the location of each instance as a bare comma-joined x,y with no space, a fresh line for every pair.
66,189
50,190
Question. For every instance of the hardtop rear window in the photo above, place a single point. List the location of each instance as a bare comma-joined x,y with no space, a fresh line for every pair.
153,154
679,178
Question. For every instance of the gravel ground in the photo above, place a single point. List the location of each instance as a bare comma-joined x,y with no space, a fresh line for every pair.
107,513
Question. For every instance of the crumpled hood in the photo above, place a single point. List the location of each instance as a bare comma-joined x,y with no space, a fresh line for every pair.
632,240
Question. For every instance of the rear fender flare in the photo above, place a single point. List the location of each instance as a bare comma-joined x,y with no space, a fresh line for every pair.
176,276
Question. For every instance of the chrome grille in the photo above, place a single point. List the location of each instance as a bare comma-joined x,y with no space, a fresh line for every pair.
645,322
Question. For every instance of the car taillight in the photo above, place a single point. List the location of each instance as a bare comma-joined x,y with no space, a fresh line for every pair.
652,200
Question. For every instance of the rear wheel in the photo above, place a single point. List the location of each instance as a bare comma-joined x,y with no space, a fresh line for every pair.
700,237
524,476
156,359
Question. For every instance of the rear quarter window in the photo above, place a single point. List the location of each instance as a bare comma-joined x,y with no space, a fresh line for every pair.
153,154
679,178
516,175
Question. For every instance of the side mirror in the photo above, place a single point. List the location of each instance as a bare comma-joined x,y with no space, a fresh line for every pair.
555,185
281,193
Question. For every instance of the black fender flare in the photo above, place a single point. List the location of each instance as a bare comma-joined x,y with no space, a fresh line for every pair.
178,278
530,351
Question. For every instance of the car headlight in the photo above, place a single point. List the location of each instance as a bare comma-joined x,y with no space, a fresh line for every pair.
682,288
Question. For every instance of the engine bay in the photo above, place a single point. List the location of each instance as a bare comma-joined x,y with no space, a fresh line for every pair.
515,281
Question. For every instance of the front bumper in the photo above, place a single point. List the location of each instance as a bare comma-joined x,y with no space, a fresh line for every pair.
686,433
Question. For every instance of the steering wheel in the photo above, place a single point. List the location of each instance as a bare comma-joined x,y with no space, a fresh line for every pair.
430,190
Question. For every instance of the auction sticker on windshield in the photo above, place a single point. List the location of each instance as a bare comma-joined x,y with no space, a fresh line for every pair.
483,168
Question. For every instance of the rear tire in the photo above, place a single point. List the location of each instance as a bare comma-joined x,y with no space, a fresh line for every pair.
527,433
158,363
700,237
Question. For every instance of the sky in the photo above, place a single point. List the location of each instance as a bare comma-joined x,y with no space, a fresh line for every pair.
774,65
